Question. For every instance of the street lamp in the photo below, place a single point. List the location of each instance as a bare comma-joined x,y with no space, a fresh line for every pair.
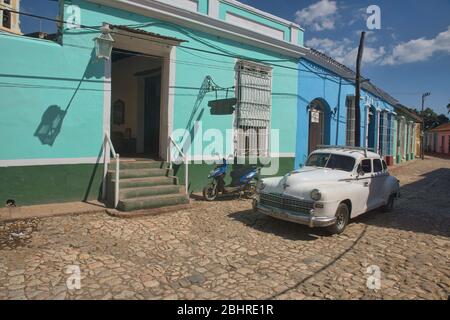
422,145
104,44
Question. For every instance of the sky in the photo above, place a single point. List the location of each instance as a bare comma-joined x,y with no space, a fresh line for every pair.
408,56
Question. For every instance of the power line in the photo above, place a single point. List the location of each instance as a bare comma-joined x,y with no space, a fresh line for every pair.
229,54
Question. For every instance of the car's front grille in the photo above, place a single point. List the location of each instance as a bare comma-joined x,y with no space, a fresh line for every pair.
286,203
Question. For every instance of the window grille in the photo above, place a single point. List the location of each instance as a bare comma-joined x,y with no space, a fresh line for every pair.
253,112
351,120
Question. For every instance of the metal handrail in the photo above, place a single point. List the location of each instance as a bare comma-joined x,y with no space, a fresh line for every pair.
185,159
108,142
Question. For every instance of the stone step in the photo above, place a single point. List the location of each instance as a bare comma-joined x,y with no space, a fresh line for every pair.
143,173
152,202
131,193
144,164
146,182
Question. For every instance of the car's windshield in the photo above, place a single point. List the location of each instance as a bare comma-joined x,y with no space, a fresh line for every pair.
331,161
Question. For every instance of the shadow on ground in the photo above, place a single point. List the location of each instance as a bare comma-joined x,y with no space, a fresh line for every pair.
284,229
423,207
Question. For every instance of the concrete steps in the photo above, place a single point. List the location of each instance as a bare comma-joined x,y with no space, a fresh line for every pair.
152,202
145,184
130,193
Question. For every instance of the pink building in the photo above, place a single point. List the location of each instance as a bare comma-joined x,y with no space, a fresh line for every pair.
440,137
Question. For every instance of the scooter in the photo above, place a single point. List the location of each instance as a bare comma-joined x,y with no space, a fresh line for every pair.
245,185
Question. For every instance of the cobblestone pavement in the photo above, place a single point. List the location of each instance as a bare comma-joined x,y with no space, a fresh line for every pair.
225,251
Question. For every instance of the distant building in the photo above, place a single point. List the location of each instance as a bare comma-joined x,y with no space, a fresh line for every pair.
438,139
9,20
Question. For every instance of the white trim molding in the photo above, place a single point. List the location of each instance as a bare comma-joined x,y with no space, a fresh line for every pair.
254,25
205,23
213,9
46,162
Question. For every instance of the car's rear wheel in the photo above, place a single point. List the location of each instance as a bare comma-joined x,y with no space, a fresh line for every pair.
342,219
389,207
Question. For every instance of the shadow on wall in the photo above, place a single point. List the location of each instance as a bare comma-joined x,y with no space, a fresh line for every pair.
52,120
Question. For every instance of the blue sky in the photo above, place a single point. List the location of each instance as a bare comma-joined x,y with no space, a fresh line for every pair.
408,56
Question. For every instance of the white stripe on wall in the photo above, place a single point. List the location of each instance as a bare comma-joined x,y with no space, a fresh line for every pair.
46,162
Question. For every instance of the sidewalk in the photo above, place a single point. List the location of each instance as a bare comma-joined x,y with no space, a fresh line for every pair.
50,210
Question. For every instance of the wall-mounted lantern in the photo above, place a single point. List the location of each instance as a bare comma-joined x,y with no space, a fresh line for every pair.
104,44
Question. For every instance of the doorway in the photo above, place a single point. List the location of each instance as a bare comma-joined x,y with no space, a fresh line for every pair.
318,125
135,104
371,128
152,112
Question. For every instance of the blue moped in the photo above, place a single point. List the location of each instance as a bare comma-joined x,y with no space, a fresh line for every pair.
244,185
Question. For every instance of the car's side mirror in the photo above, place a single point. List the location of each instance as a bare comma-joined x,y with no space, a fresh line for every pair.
360,171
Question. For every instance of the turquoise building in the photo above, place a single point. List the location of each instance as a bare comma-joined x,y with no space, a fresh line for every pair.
186,82
178,68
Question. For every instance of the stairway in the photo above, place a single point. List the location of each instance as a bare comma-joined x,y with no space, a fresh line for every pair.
144,184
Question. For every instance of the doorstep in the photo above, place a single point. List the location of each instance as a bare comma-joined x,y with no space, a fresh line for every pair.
148,212
50,210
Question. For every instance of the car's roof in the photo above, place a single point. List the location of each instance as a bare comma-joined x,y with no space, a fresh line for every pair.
357,154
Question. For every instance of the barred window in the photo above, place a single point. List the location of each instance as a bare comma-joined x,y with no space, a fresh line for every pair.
351,121
253,113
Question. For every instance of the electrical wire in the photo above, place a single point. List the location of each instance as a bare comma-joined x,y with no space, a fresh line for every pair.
226,54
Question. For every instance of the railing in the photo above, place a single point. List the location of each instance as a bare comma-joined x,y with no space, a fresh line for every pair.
108,143
185,160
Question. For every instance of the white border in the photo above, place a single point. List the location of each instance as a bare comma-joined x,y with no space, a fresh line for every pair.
46,162
205,23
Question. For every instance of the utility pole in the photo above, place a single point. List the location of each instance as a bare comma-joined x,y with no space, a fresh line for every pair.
358,91
422,138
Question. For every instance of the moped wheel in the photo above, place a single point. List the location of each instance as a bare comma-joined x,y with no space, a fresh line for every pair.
210,192
250,192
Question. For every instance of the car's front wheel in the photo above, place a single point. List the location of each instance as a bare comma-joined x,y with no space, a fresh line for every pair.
342,219
389,207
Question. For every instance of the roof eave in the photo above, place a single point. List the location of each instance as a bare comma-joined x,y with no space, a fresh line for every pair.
201,22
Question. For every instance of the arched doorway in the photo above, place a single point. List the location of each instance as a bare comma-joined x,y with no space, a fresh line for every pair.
319,124
372,120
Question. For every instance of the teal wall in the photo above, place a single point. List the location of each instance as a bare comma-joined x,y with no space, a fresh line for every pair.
40,79
194,65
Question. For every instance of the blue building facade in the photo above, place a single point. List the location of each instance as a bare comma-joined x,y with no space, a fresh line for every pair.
326,109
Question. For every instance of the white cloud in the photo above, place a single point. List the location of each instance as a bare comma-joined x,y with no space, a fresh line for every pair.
418,50
345,51
318,16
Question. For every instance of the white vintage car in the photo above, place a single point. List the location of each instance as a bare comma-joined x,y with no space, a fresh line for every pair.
335,185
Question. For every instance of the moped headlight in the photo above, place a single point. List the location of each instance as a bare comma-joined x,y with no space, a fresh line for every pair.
316,195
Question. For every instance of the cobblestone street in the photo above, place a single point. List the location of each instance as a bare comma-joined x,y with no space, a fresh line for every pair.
224,250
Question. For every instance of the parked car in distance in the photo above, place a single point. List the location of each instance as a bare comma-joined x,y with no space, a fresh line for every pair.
335,185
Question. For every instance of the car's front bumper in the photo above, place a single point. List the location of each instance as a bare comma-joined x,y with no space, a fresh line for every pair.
301,218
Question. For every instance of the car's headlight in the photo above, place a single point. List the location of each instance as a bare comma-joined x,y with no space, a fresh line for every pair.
316,195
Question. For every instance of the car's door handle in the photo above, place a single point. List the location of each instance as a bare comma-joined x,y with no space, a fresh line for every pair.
366,184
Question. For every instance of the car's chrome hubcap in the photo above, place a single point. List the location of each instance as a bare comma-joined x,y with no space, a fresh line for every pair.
340,220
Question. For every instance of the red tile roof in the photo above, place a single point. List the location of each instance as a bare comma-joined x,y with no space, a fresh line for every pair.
442,127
